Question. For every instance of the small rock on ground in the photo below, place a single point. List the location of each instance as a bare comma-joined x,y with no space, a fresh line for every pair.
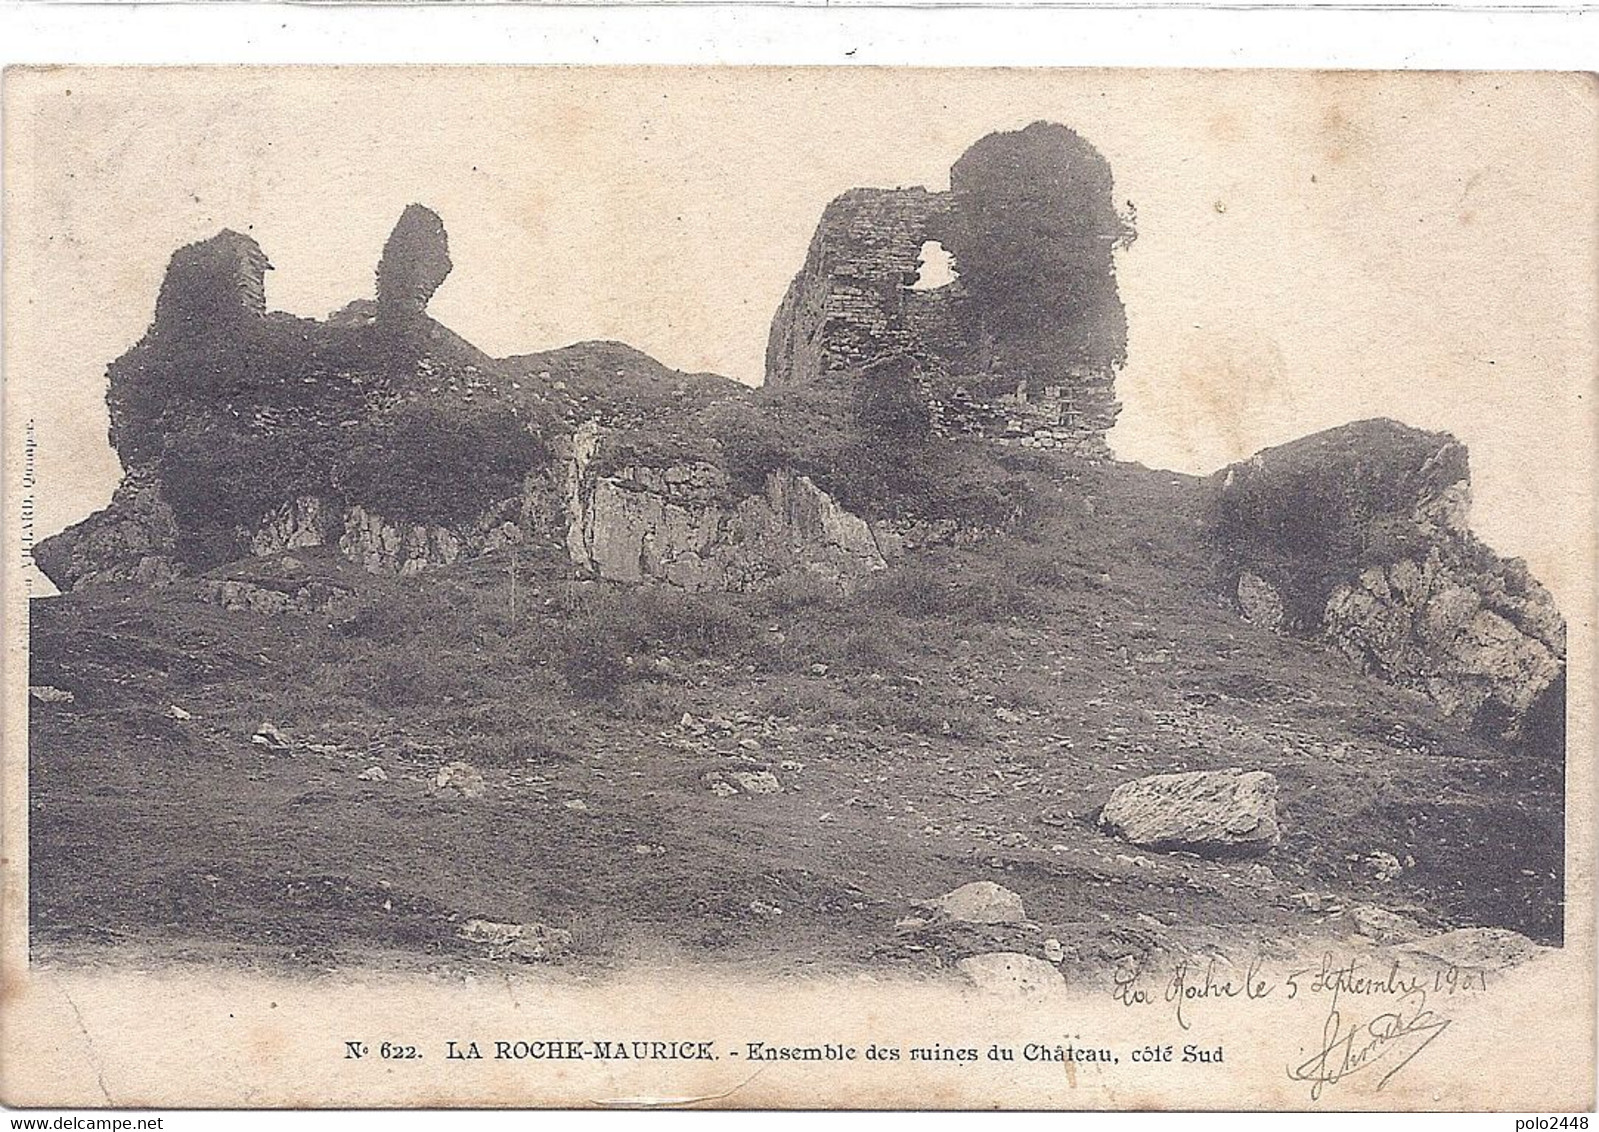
1383,866
522,941
757,781
981,902
1011,973
461,778
1485,949
727,783
271,737
1384,926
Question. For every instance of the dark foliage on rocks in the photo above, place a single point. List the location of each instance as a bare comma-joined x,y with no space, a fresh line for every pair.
422,464
866,439
1317,511
1360,535
221,481
1034,227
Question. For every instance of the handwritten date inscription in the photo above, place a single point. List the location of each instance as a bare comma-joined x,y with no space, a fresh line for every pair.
1379,1017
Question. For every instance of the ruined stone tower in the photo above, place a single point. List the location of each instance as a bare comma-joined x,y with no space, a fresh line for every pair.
212,282
1021,342
416,260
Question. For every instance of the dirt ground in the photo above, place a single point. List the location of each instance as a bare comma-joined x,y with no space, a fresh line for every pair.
964,727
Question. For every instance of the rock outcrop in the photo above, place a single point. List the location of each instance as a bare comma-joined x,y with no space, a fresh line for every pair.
1019,341
380,545
132,540
684,524
249,597
137,539
1210,812
1487,646
1359,535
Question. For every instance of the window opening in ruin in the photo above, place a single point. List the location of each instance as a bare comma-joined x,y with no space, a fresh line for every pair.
935,267
1070,415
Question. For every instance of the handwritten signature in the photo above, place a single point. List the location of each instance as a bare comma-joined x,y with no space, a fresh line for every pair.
1391,1040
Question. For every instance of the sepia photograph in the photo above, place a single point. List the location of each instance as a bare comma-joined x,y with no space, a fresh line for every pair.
794,587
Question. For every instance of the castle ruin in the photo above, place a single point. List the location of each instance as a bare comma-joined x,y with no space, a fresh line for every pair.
213,282
1001,294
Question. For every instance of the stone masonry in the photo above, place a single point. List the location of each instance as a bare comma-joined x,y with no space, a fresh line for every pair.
857,301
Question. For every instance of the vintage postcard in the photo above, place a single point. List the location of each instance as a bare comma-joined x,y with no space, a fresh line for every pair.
825,588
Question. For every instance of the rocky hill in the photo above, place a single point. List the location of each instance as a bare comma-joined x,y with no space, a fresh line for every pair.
424,637
377,430
1359,536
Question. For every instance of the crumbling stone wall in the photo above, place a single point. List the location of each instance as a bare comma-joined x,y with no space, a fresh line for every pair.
1072,416
212,282
851,303
415,262
1021,350
245,431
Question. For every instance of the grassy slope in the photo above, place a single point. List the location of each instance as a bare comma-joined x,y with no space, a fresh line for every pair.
1099,632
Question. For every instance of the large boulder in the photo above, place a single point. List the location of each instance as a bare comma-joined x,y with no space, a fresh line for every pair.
1211,812
1359,536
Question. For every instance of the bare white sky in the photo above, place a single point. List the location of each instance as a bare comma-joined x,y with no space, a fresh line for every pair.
1313,247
